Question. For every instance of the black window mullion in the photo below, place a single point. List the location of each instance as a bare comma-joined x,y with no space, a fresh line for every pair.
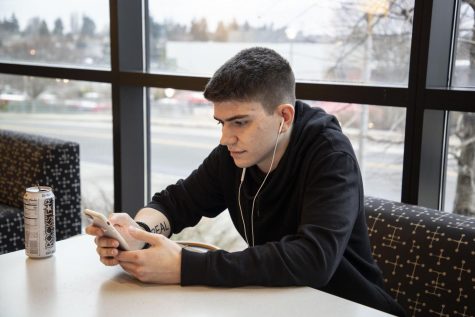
434,134
130,122
115,86
415,109
60,71
452,100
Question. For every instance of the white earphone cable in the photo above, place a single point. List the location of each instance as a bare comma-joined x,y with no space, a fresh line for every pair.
239,202
265,178
257,193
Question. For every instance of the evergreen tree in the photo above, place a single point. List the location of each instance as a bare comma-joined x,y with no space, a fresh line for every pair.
43,31
88,26
58,27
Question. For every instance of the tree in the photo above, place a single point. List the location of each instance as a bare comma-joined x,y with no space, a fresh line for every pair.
366,29
58,27
383,60
33,27
221,33
88,26
34,87
464,202
10,25
43,31
199,30
357,27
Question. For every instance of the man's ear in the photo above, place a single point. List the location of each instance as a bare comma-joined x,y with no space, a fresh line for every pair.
287,112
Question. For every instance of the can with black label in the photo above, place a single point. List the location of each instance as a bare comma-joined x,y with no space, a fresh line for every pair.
40,232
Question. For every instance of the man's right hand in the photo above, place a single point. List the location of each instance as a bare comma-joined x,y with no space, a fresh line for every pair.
107,248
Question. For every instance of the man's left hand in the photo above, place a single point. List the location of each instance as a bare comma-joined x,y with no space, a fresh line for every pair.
160,263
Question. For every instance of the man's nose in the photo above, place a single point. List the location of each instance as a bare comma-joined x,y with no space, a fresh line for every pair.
227,137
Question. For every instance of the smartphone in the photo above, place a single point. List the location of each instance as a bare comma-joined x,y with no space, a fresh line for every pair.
99,220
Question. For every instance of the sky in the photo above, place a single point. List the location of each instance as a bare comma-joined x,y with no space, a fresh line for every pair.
309,16
298,15
50,10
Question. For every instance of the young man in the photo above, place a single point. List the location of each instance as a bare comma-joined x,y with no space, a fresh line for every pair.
291,183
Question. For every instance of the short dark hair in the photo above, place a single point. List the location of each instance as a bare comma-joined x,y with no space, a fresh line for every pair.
254,74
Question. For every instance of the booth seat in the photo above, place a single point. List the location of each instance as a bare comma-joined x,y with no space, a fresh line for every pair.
427,257
27,160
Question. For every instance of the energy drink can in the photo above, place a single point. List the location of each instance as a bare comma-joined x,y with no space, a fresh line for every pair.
40,232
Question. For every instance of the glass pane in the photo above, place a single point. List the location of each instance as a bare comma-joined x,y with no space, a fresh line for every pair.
75,32
377,136
460,169
362,41
69,110
460,174
464,70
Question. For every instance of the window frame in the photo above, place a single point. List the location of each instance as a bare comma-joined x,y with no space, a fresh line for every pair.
426,107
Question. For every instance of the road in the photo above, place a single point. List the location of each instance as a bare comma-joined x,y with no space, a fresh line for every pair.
175,149
178,146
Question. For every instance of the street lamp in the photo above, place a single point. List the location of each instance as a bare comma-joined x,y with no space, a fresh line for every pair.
291,35
371,8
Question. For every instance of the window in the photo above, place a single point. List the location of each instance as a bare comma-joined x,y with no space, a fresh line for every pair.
460,163
183,133
54,32
464,68
459,186
353,55
344,41
377,136
70,110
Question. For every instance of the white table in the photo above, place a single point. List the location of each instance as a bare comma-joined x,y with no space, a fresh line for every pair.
74,283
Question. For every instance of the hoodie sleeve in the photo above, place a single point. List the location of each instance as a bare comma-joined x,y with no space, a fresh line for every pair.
332,200
185,202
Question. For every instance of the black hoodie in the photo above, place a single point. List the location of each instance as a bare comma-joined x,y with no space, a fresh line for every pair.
309,223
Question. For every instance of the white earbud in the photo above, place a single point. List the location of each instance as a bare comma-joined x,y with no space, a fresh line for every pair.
281,126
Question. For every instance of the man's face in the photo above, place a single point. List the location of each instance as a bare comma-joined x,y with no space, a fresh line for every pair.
248,131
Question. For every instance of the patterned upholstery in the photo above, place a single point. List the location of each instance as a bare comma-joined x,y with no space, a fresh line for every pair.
27,160
427,257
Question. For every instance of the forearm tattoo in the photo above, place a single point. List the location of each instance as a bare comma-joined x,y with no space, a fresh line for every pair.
161,228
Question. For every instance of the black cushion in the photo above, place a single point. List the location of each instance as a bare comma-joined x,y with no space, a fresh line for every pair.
27,160
427,257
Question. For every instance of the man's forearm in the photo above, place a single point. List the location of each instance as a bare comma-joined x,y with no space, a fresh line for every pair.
155,220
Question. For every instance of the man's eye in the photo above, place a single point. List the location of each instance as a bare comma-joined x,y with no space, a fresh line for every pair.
239,123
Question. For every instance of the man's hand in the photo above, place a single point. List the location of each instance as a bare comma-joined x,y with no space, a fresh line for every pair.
160,263
122,222
107,247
